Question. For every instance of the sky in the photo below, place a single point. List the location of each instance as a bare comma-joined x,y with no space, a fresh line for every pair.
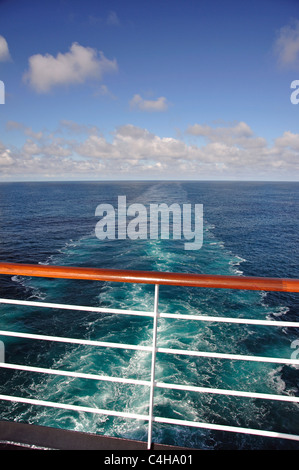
149,90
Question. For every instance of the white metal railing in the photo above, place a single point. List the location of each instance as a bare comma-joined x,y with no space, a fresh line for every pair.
152,383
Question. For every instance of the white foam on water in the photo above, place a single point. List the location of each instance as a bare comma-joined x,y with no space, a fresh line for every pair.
163,257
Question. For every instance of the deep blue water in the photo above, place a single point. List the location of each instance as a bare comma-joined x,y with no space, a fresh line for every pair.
250,228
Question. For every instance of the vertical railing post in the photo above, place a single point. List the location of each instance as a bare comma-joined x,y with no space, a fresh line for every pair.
153,366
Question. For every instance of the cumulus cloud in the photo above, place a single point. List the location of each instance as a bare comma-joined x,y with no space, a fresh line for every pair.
5,157
241,129
288,140
13,125
4,51
140,143
232,152
74,128
287,45
76,66
240,134
158,105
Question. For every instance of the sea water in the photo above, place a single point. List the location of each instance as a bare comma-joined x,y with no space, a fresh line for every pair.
249,228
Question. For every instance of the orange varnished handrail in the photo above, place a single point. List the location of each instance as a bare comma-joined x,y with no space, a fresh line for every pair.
148,277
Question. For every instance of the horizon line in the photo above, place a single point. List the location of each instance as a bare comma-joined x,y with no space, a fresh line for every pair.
149,181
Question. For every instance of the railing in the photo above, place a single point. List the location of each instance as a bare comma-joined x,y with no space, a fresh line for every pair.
210,281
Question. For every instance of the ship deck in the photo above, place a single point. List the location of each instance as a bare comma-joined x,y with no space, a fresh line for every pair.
23,436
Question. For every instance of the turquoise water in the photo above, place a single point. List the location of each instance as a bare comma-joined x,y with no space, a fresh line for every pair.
249,228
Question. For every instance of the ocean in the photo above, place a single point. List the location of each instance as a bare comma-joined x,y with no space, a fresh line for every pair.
249,228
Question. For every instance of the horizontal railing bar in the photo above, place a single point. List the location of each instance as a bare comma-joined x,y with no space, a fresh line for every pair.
185,352
64,406
245,321
220,391
221,427
80,375
32,303
217,427
177,279
85,342
238,357
176,316
149,277
188,388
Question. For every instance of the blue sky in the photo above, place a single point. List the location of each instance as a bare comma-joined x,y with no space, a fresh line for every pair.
149,90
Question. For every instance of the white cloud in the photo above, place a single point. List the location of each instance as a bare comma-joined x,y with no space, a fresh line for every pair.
13,125
158,105
240,135
132,141
5,156
4,51
135,152
74,128
288,139
241,129
54,147
96,147
287,45
76,66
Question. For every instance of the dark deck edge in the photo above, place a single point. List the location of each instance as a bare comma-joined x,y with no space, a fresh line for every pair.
22,436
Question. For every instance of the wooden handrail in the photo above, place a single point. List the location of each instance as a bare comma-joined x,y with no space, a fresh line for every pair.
148,277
